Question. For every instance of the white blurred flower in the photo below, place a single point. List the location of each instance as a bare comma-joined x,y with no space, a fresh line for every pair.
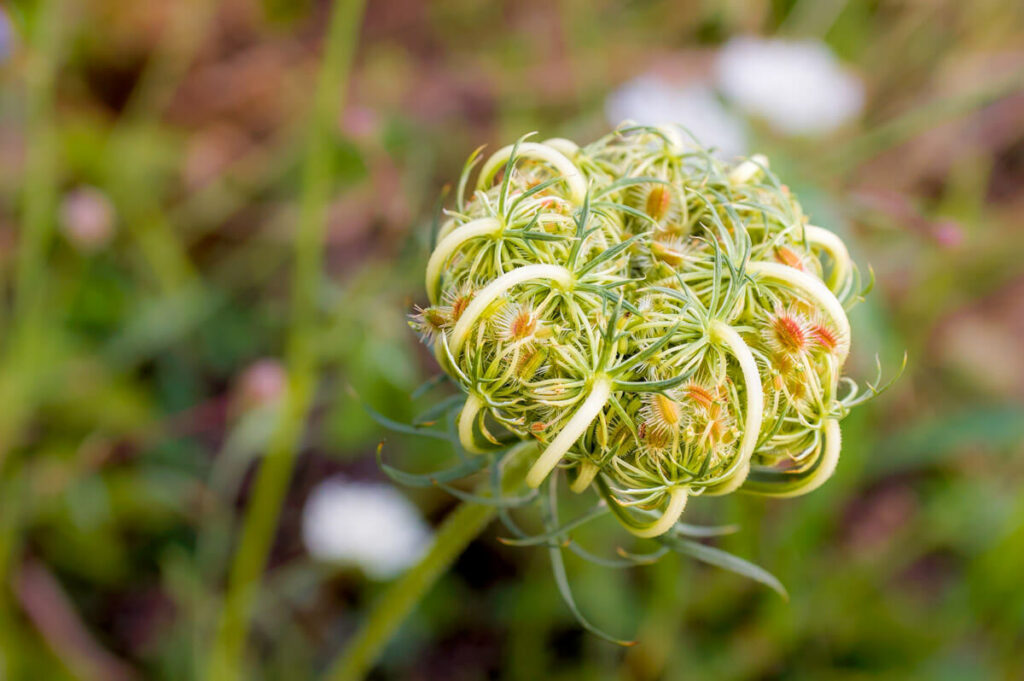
87,218
368,525
799,87
650,100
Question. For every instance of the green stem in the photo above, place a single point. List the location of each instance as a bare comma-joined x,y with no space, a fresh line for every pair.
467,417
754,416
27,347
588,471
459,529
271,485
26,342
677,499
40,167
834,246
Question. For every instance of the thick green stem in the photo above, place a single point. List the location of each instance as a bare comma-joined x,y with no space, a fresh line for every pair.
588,471
676,503
260,524
467,419
25,358
677,497
460,528
830,243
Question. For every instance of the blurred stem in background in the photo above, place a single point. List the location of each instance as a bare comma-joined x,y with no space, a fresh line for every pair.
227,656
914,122
26,340
661,628
460,528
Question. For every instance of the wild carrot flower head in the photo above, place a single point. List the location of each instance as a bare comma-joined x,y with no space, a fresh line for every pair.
660,324
640,280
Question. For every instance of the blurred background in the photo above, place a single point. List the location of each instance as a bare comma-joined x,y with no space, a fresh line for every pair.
150,175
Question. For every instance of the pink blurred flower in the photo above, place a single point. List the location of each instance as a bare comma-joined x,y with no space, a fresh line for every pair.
263,382
87,218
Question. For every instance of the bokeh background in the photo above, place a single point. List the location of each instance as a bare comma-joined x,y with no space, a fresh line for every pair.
150,157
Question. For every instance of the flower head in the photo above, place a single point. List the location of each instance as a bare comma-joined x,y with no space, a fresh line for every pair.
518,324
661,413
644,316
826,337
661,340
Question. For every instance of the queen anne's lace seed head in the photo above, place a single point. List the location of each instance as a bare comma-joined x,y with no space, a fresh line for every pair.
788,332
658,320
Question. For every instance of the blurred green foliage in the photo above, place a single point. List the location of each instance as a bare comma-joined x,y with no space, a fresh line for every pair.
129,422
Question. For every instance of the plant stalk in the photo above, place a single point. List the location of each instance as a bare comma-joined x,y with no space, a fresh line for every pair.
260,524
775,483
447,247
834,246
542,152
26,346
467,419
461,527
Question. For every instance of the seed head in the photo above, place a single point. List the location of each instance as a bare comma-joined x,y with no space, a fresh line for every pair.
788,332
692,305
825,337
661,413
430,322
518,324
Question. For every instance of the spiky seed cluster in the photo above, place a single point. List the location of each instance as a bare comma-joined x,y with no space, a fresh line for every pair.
663,323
